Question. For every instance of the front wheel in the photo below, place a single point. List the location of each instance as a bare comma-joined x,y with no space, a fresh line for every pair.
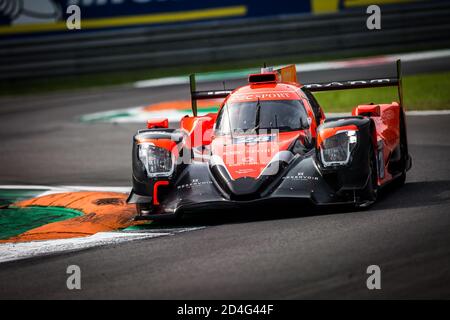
144,209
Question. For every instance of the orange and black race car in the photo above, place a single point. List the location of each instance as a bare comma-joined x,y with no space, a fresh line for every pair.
270,143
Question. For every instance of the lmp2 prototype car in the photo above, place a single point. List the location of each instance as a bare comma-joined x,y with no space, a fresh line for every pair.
270,142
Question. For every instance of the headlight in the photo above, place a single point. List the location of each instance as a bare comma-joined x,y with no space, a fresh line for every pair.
337,149
158,162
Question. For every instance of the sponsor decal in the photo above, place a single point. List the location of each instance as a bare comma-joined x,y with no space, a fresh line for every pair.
337,84
301,176
194,183
218,93
243,152
280,95
245,171
254,139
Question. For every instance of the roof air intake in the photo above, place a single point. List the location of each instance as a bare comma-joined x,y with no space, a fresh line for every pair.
263,77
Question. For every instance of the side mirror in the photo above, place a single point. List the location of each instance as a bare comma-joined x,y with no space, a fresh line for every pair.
305,122
162,123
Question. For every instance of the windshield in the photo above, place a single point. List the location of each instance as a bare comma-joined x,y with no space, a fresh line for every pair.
252,116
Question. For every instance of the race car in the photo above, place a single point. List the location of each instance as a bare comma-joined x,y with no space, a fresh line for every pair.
270,143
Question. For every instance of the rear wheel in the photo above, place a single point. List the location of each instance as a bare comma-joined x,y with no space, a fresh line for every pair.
405,161
369,194
404,154
400,181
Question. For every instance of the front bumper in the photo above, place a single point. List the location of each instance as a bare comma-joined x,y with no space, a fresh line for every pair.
196,190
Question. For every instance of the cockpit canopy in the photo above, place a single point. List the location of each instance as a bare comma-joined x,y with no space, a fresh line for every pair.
254,116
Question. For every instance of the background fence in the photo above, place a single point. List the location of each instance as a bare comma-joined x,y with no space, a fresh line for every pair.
403,27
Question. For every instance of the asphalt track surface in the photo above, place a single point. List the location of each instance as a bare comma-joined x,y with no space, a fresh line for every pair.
287,253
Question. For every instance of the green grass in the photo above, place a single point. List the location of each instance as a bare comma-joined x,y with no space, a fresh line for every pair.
421,92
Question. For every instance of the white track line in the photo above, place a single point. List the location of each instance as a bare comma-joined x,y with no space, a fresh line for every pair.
24,250
417,113
33,249
141,116
428,113
60,189
169,81
424,55
26,187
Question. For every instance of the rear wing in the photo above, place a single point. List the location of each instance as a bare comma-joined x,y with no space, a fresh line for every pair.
313,87
361,84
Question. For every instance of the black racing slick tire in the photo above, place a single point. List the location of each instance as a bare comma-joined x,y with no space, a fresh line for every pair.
405,161
144,209
369,194
400,181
